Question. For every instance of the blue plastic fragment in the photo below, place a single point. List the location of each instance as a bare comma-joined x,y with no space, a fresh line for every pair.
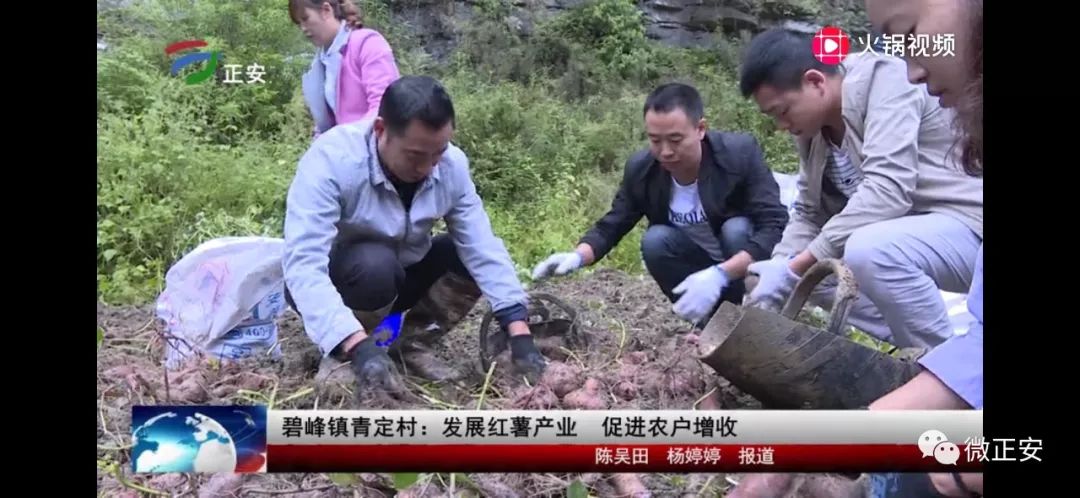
391,324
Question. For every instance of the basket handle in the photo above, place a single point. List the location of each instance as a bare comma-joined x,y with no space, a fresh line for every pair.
846,291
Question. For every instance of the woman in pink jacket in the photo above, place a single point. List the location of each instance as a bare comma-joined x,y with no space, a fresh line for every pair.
352,68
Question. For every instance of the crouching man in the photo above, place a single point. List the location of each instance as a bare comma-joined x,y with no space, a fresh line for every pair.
713,208
358,232
879,186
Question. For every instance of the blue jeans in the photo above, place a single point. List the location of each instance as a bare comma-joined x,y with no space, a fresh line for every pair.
671,256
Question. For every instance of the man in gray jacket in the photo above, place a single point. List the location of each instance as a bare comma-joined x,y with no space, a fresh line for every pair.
880,185
358,225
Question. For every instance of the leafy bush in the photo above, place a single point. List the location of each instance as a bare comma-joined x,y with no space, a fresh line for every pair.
547,121
613,30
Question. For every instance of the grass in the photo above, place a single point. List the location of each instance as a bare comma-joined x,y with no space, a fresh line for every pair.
547,125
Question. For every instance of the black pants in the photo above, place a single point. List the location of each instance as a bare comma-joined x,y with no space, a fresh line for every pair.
368,275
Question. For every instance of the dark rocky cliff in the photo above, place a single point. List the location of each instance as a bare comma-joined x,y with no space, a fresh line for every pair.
685,23
437,24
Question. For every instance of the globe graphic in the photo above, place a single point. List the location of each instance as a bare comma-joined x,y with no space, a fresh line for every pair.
170,443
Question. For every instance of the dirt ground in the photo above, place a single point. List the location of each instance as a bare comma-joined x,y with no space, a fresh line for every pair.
636,354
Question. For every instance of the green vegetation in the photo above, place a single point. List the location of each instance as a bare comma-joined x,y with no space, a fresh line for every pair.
547,122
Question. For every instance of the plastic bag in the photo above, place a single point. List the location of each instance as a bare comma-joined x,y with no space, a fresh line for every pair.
789,190
222,299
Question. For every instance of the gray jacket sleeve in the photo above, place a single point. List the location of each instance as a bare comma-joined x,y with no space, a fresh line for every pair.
482,253
806,216
313,211
891,159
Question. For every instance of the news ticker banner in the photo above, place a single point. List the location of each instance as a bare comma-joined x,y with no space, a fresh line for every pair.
253,439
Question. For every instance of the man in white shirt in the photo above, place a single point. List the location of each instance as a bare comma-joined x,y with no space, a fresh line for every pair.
712,203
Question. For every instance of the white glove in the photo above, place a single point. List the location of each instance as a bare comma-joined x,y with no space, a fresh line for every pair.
557,264
775,284
702,290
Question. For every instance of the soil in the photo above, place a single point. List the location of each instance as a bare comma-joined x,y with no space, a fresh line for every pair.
636,357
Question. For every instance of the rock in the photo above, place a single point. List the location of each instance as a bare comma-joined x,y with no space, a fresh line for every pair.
672,5
801,26
673,34
676,19
710,18
684,23
691,23
562,4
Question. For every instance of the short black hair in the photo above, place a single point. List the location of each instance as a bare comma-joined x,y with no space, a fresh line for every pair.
779,58
671,96
416,97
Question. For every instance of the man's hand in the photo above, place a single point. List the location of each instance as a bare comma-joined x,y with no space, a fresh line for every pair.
375,372
775,283
558,264
701,291
527,359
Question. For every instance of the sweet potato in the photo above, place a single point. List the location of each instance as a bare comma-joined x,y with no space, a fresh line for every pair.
684,383
589,397
636,358
626,390
187,386
651,383
561,378
629,486
539,397
676,382
119,372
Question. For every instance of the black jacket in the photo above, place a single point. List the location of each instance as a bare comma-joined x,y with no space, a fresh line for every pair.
736,183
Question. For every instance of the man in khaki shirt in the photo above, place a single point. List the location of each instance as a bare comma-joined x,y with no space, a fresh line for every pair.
880,186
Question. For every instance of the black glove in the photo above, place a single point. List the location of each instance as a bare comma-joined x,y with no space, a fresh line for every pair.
527,359
374,370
